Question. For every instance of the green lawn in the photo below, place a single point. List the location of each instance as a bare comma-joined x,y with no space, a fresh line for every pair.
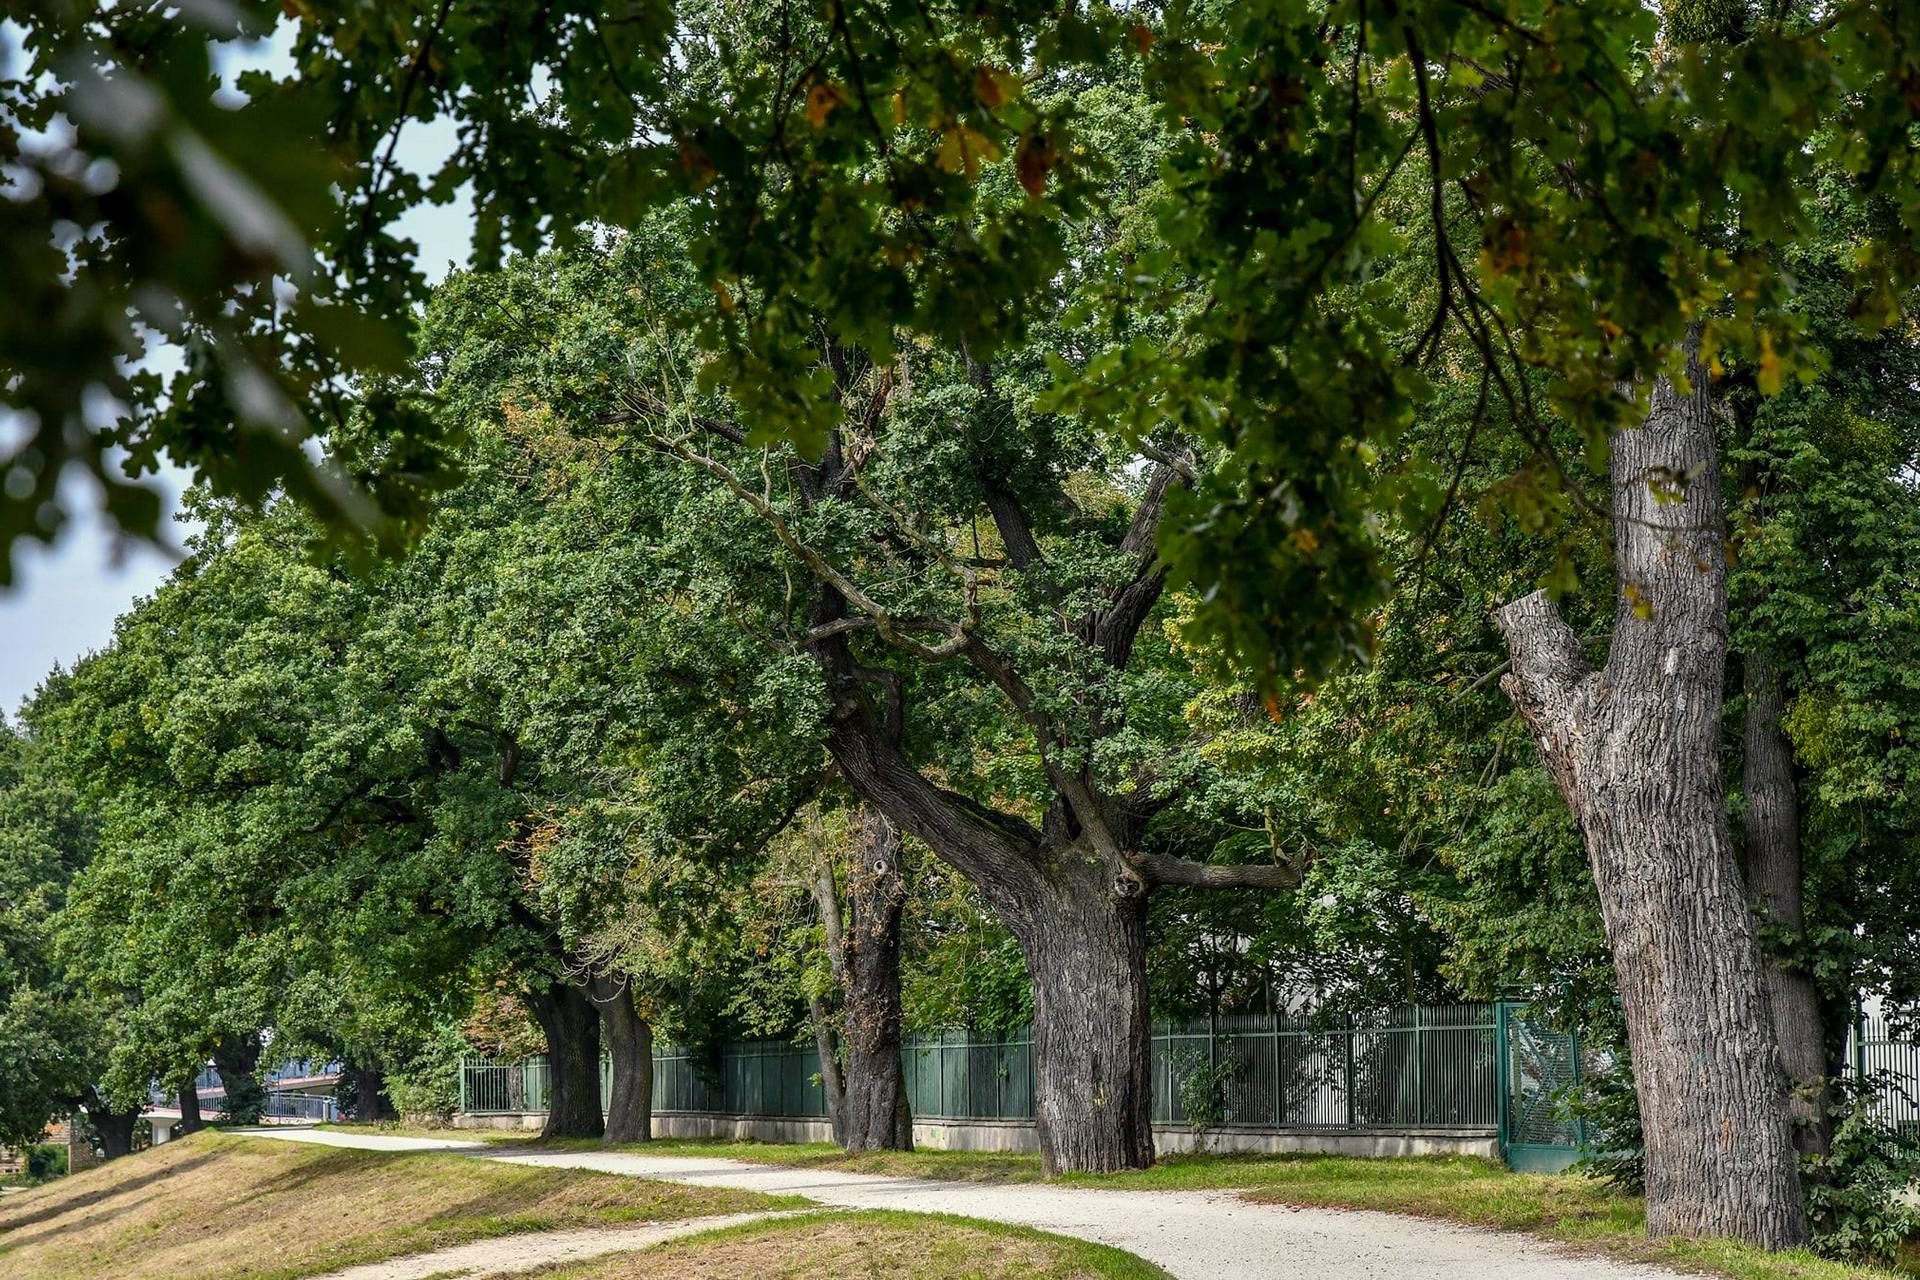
902,1246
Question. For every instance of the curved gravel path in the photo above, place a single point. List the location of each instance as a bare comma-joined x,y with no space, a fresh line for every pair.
1195,1235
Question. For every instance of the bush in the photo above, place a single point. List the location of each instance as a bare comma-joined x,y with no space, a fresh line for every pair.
1202,1085
1605,1103
427,1084
1855,1194
46,1161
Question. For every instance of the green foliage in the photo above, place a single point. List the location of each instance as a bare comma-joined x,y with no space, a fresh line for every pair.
46,1160
1858,1195
1606,1104
1204,1080
427,1081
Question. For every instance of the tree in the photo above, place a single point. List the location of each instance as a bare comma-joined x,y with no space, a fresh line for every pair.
55,1029
1634,749
1022,550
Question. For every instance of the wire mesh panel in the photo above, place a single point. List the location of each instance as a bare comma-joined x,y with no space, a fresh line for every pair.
1540,1071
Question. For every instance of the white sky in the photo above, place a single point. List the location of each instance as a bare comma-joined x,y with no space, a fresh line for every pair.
66,597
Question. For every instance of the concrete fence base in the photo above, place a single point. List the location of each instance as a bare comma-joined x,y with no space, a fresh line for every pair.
1019,1136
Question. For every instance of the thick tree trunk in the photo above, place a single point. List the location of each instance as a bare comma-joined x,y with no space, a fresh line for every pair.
1080,919
190,1119
1774,884
1086,948
629,1040
1634,748
876,1114
370,1101
237,1059
572,1028
115,1131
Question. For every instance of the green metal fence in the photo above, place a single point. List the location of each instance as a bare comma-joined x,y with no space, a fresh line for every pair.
1479,1068
492,1086
1420,1067
1891,1068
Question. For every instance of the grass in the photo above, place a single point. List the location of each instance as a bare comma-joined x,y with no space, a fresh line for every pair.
901,1246
226,1207
395,1129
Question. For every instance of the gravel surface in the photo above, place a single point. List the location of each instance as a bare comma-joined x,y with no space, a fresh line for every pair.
1195,1235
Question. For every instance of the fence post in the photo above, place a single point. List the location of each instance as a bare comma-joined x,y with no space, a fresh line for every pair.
1579,1121
1351,1112
463,1082
1419,1069
1279,1102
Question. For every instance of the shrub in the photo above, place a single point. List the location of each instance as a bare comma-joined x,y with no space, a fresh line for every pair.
1201,1085
1855,1201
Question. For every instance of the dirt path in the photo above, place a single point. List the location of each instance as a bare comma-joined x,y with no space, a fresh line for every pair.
1195,1235
505,1255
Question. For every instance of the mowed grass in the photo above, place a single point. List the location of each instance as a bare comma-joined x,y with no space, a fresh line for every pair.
223,1207
900,1246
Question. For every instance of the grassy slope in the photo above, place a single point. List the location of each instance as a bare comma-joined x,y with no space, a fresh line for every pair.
903,1246
222,1207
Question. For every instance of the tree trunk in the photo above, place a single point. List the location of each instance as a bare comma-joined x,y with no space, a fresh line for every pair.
237,1058
826,1044
1775,886
572,1028
1080,919
115,1131
370,1101
1634,749
629,1040
1086,949
190,1120
876,1114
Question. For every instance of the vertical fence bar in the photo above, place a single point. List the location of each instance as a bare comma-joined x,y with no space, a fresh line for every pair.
1351,1113
1419,1069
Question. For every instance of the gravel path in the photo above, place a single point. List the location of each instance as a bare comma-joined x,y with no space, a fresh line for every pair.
505,1255
1195,1235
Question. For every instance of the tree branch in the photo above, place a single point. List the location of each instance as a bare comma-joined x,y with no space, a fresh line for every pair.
1160,868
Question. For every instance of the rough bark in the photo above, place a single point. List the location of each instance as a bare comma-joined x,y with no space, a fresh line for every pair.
1634,749
826,1044
190,1118
237,1059
572,1028
1079,915
876,1114
629,1039
1092,1039
1775,886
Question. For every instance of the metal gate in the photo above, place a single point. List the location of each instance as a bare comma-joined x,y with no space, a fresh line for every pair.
1539,1069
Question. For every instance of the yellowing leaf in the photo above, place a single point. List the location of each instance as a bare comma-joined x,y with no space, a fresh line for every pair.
1771,366
821,100
994,87
962,148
